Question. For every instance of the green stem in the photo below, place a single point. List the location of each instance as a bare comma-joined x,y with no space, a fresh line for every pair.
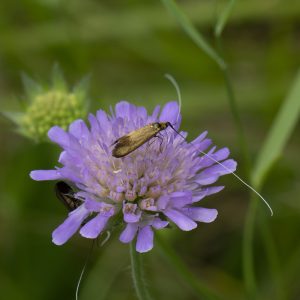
200,290
138,274
248,253
192,32
248,266
234,110
272,256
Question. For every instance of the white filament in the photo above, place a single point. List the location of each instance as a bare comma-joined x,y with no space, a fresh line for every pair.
83,269
175,84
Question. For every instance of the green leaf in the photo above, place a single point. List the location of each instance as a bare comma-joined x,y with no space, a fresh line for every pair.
15,117
58,79
192,32
81,90
31,87
280,132
222,20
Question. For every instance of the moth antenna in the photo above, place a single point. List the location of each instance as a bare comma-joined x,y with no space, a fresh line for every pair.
233,173
175,84
108,234
241,180
83,269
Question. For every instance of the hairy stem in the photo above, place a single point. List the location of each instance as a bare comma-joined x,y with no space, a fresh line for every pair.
138,274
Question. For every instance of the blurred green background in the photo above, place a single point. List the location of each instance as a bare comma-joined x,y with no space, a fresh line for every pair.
127,46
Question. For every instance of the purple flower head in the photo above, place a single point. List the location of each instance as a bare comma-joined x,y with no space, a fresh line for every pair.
158,183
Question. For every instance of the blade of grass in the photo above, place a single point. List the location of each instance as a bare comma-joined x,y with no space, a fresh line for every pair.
222,20
273,259
280,132
192,32
277,138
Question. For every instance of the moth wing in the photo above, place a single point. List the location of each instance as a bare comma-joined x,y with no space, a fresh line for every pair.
66,195
130,142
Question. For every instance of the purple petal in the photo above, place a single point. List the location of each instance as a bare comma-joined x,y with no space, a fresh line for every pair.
142,113
70,174
199,138
210,175
201,214
131,213
217,156
205,180
123,109
197,196
222,154
170,113
180,199
158,223
45,175
59,136
162,202
92,205
155,113
79,130
128,233
202,146
104,123
182,221
93,123
144,241
94,227
63,232
132,218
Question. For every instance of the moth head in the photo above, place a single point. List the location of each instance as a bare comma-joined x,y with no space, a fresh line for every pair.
160,125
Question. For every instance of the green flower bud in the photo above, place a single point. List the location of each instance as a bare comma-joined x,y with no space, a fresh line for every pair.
48,107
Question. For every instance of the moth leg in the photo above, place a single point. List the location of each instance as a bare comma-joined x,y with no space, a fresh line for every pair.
152,141
115,142
161,142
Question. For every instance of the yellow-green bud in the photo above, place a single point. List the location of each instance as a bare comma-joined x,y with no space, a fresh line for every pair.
49,109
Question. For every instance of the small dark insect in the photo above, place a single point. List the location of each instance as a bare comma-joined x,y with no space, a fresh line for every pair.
66,195
135,139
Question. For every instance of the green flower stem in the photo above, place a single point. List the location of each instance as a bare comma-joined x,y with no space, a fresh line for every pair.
235,112
273,259
192,32
199,288
138,274
269,246
248,266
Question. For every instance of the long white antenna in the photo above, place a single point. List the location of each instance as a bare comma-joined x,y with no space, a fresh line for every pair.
175,84
83,269
173,81
240,179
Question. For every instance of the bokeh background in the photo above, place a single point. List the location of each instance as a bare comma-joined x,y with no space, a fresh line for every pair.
127,47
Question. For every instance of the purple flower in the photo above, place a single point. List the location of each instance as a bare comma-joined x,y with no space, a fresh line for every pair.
158,183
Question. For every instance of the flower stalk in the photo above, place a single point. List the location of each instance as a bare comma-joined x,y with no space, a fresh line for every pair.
138,276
